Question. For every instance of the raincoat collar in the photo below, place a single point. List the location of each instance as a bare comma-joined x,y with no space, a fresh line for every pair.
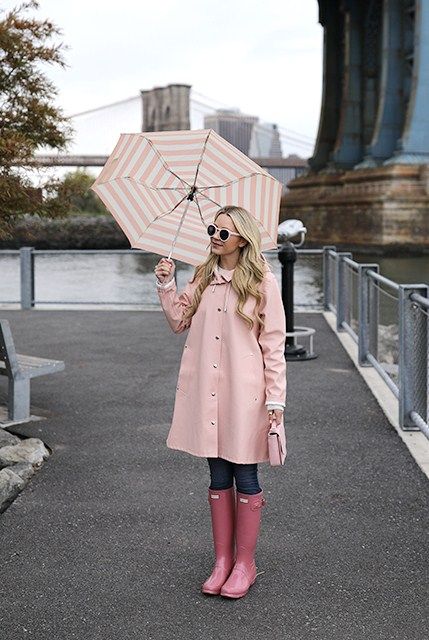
225,276
219,278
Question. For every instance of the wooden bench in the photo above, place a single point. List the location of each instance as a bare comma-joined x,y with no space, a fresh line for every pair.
20,369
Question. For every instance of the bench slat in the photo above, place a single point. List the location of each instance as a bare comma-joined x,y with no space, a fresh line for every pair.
26,360
32,366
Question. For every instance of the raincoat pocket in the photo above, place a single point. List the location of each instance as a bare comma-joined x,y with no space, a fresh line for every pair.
185,371
249,363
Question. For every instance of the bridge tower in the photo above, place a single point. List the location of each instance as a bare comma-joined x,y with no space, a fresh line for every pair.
166,108
368,182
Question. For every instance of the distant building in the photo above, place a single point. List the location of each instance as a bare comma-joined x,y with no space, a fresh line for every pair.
245,132
265,142
166,108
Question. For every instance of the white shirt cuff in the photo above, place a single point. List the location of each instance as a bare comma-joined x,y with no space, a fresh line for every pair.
164,285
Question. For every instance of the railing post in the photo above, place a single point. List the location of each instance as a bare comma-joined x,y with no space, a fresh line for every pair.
341,291
27,277
413,362
327,284
367,310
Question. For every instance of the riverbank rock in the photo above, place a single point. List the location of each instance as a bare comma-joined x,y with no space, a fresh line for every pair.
7,438
19,460
30,450
388,343
10,485
23,469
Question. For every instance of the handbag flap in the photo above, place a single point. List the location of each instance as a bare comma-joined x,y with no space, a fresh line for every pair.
279,431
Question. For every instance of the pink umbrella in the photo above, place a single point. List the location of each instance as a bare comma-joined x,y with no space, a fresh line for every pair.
164,188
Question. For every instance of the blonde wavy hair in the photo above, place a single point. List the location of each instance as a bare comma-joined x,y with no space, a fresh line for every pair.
248,273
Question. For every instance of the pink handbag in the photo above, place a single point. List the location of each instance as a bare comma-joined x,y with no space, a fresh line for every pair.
277,443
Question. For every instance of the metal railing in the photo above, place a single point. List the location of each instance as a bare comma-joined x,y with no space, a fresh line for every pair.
27,261
359,297
27,266
399,351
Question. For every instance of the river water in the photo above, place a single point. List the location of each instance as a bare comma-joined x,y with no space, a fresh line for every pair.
104,278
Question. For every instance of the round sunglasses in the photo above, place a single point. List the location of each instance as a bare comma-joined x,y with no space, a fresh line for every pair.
223,233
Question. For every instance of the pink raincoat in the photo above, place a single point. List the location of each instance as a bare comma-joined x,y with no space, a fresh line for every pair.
228,373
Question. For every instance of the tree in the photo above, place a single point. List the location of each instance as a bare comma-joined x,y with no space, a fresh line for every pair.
28,117
75,187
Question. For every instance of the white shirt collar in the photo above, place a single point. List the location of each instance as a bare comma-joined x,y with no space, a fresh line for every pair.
226,274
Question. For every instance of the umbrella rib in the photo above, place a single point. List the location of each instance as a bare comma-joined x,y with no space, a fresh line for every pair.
208,198
149,186
201,158
175,207
160,188
227,184
199,209
166,212
165,164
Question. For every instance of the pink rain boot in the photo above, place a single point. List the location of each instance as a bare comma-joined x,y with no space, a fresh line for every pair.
243,574
222,508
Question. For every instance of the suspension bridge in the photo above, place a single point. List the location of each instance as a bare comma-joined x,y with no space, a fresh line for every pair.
97,130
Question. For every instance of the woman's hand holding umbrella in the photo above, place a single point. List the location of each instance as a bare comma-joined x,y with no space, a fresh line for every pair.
165,269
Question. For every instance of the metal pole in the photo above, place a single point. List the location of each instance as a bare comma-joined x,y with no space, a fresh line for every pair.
341,292
287,257
327,284
364,314
27,277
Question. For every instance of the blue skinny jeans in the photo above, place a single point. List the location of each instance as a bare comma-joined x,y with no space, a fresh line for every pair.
223,472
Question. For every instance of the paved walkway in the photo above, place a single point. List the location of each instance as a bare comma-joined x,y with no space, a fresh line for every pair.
111,539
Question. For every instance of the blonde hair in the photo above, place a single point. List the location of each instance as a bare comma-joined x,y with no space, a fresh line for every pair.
249,270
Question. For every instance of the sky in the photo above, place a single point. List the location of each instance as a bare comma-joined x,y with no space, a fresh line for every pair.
264,58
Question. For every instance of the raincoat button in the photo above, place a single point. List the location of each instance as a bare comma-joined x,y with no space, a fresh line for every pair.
215,365
212,422
217,337
219,309
213,393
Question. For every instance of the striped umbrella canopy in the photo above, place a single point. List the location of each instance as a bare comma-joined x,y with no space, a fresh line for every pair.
164,188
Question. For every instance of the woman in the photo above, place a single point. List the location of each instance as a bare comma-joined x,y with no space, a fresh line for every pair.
232,380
